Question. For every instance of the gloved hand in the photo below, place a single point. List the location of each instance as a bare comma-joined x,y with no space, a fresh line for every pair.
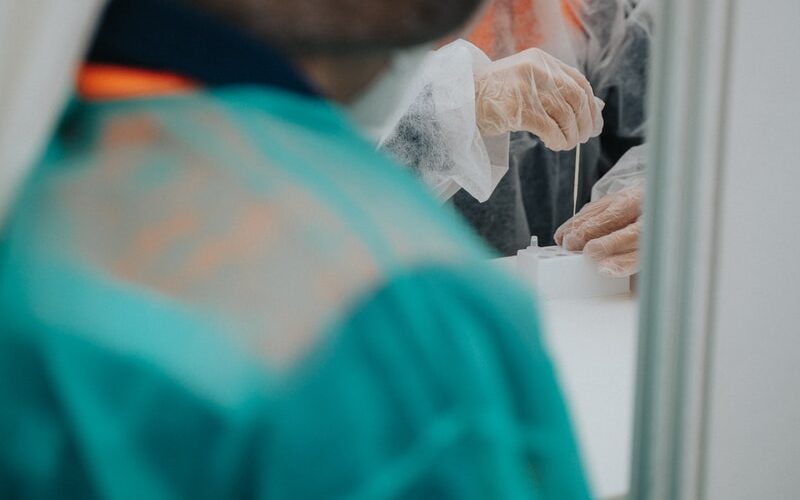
535,92
607,230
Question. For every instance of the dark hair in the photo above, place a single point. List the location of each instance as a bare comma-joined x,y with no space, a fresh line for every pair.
338,26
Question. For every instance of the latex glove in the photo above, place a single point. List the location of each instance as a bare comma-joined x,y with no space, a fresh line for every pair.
535,92
608,230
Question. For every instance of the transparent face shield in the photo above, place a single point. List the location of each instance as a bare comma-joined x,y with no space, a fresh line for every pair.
41,45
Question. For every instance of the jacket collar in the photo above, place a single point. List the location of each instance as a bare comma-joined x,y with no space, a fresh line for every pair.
162,35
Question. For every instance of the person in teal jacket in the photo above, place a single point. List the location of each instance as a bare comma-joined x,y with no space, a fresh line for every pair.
224,291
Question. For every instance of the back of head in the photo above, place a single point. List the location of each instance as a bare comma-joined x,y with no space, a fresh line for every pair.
344,26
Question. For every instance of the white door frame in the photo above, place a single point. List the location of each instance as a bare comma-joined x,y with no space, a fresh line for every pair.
687,96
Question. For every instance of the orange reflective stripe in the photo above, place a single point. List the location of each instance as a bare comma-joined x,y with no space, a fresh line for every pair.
107,82
570,11
527,25
483,34
509,26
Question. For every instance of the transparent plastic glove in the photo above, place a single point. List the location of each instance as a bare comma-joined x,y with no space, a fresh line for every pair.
535,92
608,230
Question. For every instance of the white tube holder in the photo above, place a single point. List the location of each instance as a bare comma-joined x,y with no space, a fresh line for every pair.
556,273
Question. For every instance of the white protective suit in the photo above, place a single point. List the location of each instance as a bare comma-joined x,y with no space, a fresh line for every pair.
609,42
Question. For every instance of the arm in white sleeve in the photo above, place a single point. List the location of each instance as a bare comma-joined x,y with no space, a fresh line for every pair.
628,171
437,135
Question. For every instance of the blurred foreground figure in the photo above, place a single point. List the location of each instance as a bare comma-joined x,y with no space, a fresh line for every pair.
212,287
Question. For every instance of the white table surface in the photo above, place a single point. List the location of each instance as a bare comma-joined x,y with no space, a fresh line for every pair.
593,344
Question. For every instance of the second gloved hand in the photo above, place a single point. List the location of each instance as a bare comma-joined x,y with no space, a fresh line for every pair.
608,230
535,92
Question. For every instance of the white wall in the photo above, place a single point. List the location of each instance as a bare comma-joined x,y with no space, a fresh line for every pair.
41,44
754,397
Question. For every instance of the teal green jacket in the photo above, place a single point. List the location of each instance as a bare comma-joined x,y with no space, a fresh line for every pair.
231,295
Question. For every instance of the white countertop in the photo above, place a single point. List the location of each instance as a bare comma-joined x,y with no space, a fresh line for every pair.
593,344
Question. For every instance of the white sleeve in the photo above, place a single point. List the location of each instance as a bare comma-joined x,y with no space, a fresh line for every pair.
628,171
436,134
